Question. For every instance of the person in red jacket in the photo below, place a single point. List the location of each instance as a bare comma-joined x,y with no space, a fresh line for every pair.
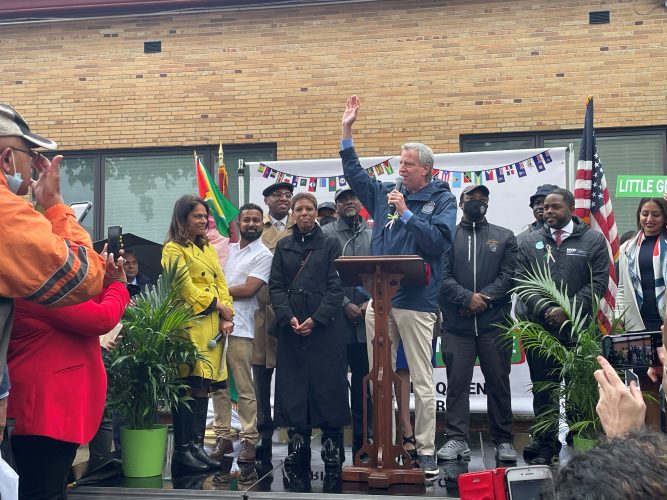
59,383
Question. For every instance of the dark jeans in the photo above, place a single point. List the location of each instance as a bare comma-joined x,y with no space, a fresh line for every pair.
542,370
357,359
262,378
495,357
42,464
100,445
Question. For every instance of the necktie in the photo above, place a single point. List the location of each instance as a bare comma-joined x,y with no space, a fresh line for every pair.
558,236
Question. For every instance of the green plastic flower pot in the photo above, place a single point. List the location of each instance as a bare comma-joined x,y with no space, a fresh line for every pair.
582,444
143,451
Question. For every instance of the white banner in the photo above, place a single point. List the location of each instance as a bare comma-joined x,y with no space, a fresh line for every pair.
511,176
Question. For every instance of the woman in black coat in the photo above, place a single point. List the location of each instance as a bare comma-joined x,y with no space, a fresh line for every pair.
311,366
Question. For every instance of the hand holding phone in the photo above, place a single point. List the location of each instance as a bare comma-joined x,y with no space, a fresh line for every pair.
621,408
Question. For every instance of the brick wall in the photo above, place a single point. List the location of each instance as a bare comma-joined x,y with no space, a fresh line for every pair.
425,69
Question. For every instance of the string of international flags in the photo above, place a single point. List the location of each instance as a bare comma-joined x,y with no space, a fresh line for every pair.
456,179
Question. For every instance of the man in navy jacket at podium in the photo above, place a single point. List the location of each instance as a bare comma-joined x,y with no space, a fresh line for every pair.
419,219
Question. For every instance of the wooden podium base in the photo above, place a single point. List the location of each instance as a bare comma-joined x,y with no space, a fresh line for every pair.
381,276
378,478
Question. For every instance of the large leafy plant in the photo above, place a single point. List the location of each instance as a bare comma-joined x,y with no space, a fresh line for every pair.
143,370
577,361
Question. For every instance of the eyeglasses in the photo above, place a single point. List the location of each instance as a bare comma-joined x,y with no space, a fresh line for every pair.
281,194
34,155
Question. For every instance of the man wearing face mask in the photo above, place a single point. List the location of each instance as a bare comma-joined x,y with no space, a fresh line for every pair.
47,259
247,270
474,298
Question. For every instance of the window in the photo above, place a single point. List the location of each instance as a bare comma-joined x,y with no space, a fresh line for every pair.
137,189
76,184
622,151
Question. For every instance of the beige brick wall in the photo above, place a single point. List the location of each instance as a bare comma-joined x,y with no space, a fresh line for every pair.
425,69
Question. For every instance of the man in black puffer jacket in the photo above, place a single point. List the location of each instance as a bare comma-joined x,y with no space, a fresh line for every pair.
474,297
578,258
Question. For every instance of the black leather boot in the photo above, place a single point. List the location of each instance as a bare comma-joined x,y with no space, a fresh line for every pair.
298,447
199,407
183,457
332,454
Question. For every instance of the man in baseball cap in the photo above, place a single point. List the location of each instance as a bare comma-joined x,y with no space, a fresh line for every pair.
38,247
536,202
326,213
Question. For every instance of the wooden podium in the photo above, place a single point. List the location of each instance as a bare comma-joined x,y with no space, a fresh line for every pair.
381,276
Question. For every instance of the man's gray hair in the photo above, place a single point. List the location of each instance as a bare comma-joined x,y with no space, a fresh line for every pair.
426,157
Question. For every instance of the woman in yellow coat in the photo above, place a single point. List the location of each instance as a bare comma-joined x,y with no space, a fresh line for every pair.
205,289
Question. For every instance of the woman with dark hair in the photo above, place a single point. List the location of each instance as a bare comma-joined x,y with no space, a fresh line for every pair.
205,289
311,367
642,268
642,271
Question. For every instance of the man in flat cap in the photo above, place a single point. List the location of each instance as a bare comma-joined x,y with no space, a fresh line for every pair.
474,298
47,259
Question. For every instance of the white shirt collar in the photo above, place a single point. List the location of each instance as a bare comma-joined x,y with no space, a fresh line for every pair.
280,224
567,230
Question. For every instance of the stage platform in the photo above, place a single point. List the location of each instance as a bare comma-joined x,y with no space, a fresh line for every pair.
275,481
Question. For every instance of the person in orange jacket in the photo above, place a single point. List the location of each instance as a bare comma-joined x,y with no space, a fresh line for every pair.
47,259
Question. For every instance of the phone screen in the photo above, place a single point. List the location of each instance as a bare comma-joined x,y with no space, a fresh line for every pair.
81,209
114,240
632,350
532,489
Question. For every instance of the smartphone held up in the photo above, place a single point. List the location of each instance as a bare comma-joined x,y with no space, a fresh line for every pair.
632,350
114,241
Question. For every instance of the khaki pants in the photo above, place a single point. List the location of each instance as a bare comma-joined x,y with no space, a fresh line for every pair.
415,328
239,362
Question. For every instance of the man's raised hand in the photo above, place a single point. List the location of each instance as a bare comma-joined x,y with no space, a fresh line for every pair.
350,116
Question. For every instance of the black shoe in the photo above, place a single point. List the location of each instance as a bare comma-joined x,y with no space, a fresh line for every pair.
331,450
298,450
546,456
532,449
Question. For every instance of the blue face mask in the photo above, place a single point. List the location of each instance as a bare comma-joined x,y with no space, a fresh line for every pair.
14,182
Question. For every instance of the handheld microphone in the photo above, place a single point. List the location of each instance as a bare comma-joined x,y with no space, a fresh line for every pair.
399,185
215,341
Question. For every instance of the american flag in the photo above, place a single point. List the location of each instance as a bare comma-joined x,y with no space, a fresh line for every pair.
593,206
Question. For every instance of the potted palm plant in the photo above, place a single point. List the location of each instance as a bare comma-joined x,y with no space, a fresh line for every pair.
577,362
143,370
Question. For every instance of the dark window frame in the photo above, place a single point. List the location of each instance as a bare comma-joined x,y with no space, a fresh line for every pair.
539,137
207,152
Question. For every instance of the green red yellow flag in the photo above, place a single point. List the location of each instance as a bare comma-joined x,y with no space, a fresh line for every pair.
222,209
